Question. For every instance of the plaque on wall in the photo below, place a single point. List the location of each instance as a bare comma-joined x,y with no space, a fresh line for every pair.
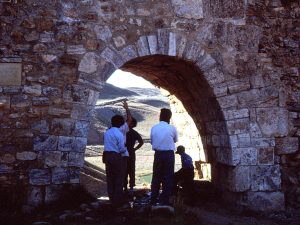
10,74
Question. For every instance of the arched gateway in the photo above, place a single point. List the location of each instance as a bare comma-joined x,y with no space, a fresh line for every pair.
212,55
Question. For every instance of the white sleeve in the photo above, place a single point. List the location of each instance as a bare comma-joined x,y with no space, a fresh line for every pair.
175,135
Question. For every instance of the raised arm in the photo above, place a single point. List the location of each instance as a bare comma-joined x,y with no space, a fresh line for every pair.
128,114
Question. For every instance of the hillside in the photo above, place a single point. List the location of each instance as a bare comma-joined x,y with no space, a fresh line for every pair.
144,104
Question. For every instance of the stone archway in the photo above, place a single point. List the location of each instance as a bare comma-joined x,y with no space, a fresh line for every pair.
61,53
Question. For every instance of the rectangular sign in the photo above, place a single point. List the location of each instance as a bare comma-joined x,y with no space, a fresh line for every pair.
10,74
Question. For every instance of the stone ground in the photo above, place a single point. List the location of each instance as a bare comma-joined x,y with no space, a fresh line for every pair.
205,209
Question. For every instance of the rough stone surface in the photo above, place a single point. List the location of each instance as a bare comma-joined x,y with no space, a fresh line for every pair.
233,64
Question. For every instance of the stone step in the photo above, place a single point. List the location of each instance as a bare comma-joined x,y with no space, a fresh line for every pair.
93,171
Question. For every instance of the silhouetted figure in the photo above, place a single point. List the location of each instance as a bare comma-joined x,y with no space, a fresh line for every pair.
163,137
185,176
132,137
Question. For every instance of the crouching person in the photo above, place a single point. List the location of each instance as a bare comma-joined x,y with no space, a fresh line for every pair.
185,176
113,148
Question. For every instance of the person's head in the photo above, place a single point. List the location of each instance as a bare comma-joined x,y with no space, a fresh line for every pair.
180,150
133,123
165,115
117,121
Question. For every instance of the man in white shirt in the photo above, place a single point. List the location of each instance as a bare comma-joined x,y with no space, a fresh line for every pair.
115,156
163,138
114,146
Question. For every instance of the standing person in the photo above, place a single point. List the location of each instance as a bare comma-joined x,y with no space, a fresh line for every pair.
186,173
124,129
163,138
113,148
132,137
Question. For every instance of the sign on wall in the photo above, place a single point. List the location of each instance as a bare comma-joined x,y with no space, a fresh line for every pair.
10,74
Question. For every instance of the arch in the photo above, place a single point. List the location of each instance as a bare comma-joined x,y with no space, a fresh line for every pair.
189,72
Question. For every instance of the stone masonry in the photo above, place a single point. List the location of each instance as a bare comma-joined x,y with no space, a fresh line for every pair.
234,64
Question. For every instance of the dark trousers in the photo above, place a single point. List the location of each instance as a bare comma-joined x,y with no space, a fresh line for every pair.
163,173
185,177
130,171
114,177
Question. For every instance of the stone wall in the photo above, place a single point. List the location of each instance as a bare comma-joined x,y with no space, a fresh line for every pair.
233,64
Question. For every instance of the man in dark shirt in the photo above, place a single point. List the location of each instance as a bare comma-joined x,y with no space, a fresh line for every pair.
132,137
186,174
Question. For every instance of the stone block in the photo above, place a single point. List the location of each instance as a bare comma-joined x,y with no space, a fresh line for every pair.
88,63
39,177
286,145
263,142
81,128
5,169
119,41
266,201
35,90
265,178
142,46
181,44
172,44
193,52
255,130
40,126
223,9
244,140
192,9
35,197
246,156
214,76
7,158
81,112
236,114
62,127
40,101
153,44
54,111
52,193
264,97
220,90
26,156
76,159
20,101
163,41
238,86
76,93
51,159
74,175
66,144
103,33
228,101
47,37
60,175
113,57
12,90
233,141
76,49
273,121
265,156
45,143
128,53
80,144
238,126
239,179
10,74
